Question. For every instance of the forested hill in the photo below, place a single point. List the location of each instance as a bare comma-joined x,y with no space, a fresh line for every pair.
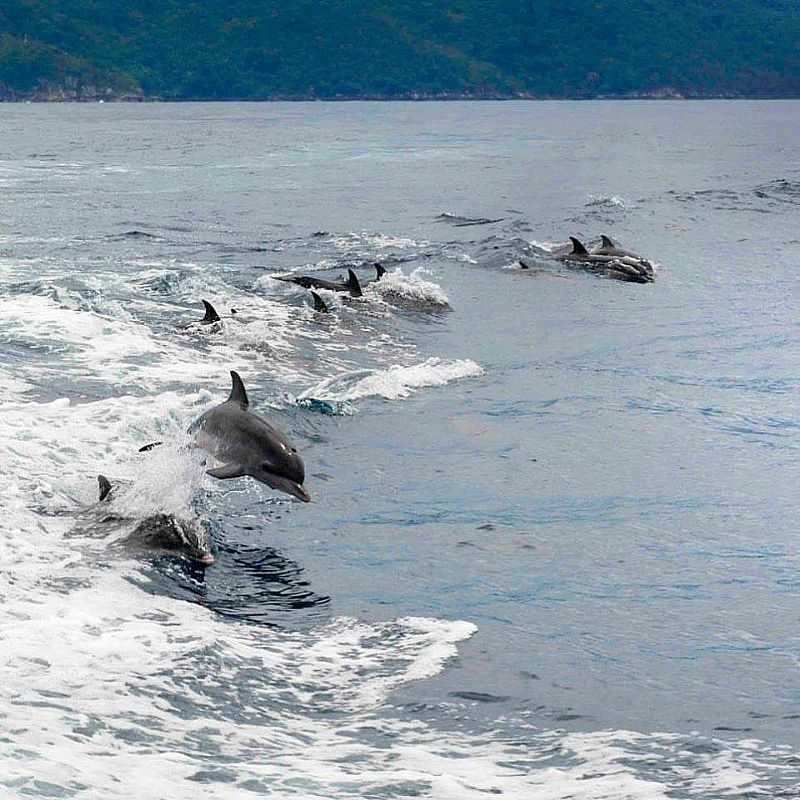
221,49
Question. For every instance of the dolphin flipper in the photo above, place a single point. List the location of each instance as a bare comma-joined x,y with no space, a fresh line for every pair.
319,303
578,248
238,393
353,284
232,470
105,487
211,313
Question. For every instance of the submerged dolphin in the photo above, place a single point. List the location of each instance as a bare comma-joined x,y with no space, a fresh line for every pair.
249,445
164,532
352,285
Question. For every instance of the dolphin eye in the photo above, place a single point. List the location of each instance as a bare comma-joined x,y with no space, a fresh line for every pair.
294,449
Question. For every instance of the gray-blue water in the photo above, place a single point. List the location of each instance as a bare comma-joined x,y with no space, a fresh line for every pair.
552,551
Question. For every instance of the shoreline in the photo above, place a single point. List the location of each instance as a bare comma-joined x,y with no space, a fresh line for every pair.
411,98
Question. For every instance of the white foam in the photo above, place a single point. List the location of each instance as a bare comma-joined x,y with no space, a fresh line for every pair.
606,200
410,288
394,383
365,242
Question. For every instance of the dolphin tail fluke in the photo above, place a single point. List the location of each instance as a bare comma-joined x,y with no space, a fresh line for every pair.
211,313
319,303
105,487
238,393
607,241
232,470
353,284
380,270
577,247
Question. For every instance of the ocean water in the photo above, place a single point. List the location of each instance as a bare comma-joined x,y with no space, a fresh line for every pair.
553,548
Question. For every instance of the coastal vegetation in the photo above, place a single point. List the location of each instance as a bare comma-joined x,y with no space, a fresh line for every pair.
261,49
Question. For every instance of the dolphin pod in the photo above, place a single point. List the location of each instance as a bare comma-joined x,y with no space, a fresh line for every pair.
249,445
614,265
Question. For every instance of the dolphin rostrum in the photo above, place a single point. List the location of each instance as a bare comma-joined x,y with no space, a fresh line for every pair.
249,445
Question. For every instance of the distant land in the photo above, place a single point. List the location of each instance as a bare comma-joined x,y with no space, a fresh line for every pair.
417,49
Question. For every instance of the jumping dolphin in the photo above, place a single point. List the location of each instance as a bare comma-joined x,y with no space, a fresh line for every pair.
249,445
319,303
352,285
627,268
608,248
154,532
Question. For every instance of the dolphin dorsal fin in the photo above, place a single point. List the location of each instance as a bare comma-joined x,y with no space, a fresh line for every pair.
380,269
607,241
238,393
353,284
211,313
105,487
577,247
319,303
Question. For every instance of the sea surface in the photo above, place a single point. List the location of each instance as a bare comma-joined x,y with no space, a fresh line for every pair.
553,546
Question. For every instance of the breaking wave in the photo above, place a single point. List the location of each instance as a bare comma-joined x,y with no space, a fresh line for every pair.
392,384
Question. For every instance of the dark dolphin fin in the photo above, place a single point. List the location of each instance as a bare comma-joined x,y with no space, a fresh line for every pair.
606,241
234,311
353,284
319,303
232,470
238,394
577,247
105,487
380,269
211,313
150,446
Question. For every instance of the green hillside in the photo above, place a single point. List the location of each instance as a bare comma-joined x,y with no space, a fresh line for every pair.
211,49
